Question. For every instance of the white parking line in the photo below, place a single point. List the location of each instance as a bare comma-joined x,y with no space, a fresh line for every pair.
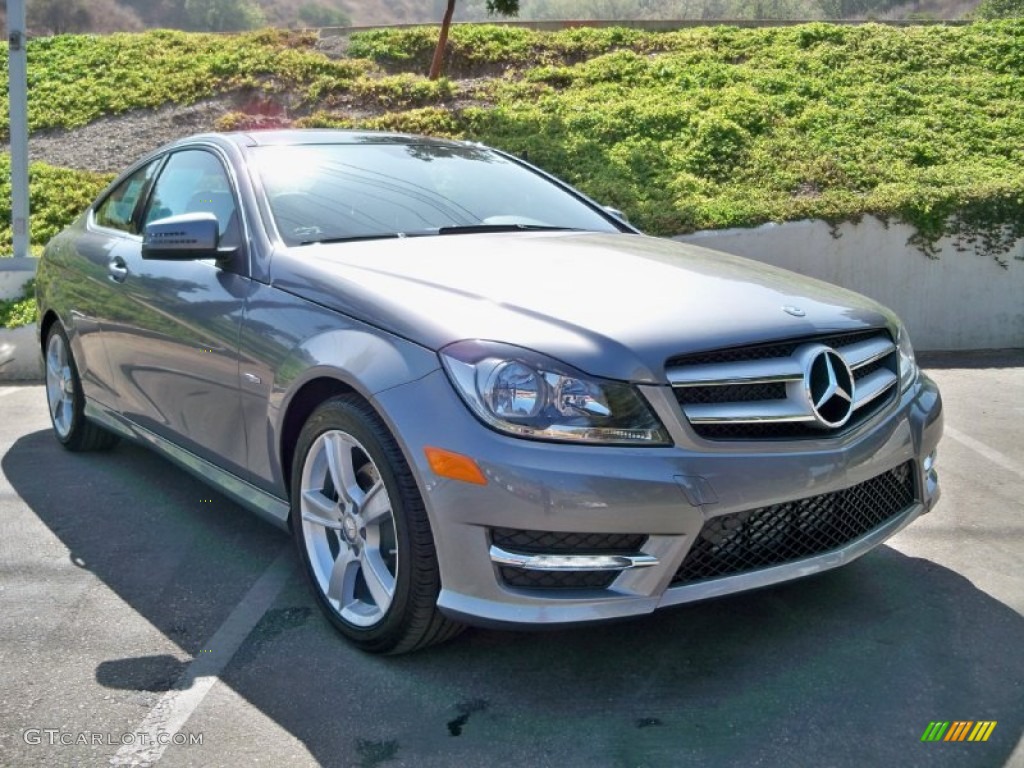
4,391
172,711
991,454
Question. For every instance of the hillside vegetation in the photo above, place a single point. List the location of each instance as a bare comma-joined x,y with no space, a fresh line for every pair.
700,128
56,17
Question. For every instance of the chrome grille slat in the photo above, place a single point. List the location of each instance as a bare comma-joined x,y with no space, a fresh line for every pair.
866,352
747,413
759,391
741,372
873,385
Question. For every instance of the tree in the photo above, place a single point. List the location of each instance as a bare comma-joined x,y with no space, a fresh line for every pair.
159,13
58,17
317,15
222,15
110,16
504,7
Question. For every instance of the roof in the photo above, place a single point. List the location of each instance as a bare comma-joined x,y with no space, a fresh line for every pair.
330,136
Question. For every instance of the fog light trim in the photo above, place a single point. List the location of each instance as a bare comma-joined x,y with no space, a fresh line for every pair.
533,562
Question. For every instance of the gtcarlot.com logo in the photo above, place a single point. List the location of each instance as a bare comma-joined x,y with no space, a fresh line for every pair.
56,737
958,730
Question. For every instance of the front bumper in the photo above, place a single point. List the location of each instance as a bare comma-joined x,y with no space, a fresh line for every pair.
665,494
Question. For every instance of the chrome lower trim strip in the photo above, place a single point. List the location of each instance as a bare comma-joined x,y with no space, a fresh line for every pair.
534,562
740,582
270,508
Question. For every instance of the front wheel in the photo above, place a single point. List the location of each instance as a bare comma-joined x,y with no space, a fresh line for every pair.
363,533
67,401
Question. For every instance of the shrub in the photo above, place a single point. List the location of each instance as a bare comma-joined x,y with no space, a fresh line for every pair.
1000,9
57,196
21,310
696,128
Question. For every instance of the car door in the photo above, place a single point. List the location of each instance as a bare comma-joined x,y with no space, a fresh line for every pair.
172,335
88,290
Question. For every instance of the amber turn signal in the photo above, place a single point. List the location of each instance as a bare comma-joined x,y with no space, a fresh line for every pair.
454,466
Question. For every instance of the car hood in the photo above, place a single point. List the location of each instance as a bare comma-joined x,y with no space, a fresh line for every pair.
612,305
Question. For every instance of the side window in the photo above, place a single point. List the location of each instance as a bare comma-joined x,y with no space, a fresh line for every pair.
117,210
193,181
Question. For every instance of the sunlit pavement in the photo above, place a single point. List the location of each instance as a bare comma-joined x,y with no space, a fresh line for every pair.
118,572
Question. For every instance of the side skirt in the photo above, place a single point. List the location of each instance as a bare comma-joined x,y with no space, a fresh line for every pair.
270,508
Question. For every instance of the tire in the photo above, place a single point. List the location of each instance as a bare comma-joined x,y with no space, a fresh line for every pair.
368,551
66,401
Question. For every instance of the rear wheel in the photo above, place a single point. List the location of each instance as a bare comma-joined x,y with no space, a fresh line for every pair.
66,400
362,532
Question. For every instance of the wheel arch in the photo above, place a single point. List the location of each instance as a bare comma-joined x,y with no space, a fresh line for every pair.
45,324
353,360
300,406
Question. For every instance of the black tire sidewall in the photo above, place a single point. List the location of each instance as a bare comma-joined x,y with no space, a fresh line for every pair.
78,423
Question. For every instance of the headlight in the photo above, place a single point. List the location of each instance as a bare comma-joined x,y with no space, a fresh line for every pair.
908,364
526,394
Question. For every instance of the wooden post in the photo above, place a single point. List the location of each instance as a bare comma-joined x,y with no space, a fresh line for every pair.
442,42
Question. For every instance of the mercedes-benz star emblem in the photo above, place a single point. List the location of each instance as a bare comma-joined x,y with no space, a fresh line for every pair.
829,386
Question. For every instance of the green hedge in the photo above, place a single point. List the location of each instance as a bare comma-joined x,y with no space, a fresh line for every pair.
75,79
721,127
19,311
692,129
57,196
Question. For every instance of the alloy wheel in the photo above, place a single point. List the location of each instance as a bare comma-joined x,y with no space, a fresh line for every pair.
60,385
348,528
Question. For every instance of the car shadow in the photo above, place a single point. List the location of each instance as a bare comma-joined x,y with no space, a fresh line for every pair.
844,669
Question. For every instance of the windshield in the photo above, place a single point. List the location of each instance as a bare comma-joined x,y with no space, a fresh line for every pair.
326,192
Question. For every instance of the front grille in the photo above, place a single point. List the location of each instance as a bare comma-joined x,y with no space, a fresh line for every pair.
519,577
730,393
766,351
784,533
758,392
785,430
560,543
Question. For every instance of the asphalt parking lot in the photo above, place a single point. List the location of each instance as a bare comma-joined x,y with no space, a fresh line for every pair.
137,601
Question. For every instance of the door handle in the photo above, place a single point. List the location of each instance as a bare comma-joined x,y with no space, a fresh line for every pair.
118,269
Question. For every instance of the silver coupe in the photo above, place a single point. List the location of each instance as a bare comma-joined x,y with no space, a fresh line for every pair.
472,394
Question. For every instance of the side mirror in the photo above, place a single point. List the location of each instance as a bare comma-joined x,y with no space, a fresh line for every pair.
616,213
182,238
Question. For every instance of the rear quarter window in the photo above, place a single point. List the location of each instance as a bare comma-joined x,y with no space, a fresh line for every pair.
117,211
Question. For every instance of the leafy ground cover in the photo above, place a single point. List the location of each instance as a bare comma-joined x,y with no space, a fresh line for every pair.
21,310
720,127
57,196
74,79
692,129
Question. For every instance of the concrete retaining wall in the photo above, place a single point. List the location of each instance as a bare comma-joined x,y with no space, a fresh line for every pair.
647,25
19,354
14,273
962,301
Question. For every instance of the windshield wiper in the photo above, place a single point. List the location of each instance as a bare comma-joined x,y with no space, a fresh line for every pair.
472,228
453,230
352,238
